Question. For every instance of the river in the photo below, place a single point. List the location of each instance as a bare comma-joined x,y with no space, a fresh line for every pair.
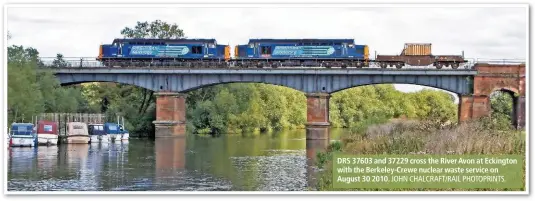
278,161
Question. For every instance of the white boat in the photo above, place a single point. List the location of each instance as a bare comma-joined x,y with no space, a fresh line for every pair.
77,133
93,139
125,136
47,132
97,133
116,137
112,130
124,133
104,138
22,135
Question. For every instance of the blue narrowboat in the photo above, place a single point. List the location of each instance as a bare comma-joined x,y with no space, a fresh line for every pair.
113,131
22,135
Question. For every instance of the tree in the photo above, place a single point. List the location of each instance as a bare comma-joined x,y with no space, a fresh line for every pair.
59,62
502,107
154,29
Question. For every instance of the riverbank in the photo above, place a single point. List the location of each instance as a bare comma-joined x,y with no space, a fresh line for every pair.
412,137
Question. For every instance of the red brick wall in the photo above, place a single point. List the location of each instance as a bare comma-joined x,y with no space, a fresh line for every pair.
318,108
170,114
490,78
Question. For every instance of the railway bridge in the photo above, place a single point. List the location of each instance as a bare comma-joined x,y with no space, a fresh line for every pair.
473,86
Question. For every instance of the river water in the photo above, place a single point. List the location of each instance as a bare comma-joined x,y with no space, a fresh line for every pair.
278,161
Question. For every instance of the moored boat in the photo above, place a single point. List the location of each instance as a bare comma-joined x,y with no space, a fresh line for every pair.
47,132
112,130
124,133
22,135
77,133
97,133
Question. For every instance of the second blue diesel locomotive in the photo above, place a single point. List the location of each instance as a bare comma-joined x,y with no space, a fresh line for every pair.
301,52
174,52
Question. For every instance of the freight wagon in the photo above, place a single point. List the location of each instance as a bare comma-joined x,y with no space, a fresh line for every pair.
301,52
419,54
166,52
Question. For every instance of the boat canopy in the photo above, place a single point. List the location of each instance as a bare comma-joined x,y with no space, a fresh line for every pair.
96,129
112,128
22,129
47,127
77,128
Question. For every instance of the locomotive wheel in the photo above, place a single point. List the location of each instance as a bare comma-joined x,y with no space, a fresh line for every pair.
344,65
259,65
455,65
327,65
399,65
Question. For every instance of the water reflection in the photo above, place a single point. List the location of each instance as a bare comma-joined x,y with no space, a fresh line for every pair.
281,161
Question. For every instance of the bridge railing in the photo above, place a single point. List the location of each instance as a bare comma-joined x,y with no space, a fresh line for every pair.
501,61
67,62
81,62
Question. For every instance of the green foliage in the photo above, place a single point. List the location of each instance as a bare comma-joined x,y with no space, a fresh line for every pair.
31,92
234,108
362,106
59,62
154,29
502,109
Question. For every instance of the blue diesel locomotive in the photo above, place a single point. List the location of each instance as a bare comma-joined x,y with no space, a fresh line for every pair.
166,52
301,52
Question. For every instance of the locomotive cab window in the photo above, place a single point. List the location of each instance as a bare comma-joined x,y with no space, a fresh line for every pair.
266,49
196,49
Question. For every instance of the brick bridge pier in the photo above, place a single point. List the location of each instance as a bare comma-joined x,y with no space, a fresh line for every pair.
171,106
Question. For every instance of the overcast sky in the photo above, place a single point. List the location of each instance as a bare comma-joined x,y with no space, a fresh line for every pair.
481,32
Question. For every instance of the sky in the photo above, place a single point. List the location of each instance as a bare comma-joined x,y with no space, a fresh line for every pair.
486,32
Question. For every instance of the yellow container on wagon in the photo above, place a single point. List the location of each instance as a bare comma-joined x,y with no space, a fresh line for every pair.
417,49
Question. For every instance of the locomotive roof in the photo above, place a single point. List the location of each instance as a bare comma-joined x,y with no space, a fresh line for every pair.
155,40
305,40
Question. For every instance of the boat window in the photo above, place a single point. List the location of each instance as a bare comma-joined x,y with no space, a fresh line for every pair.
113,128
48,128
22,129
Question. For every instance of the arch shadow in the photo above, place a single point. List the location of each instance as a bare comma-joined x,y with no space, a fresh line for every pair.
240,82
513,94
64,84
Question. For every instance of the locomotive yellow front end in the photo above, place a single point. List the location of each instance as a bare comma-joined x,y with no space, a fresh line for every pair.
227,53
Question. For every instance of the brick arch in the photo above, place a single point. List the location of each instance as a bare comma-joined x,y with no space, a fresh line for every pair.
505,89
490,78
